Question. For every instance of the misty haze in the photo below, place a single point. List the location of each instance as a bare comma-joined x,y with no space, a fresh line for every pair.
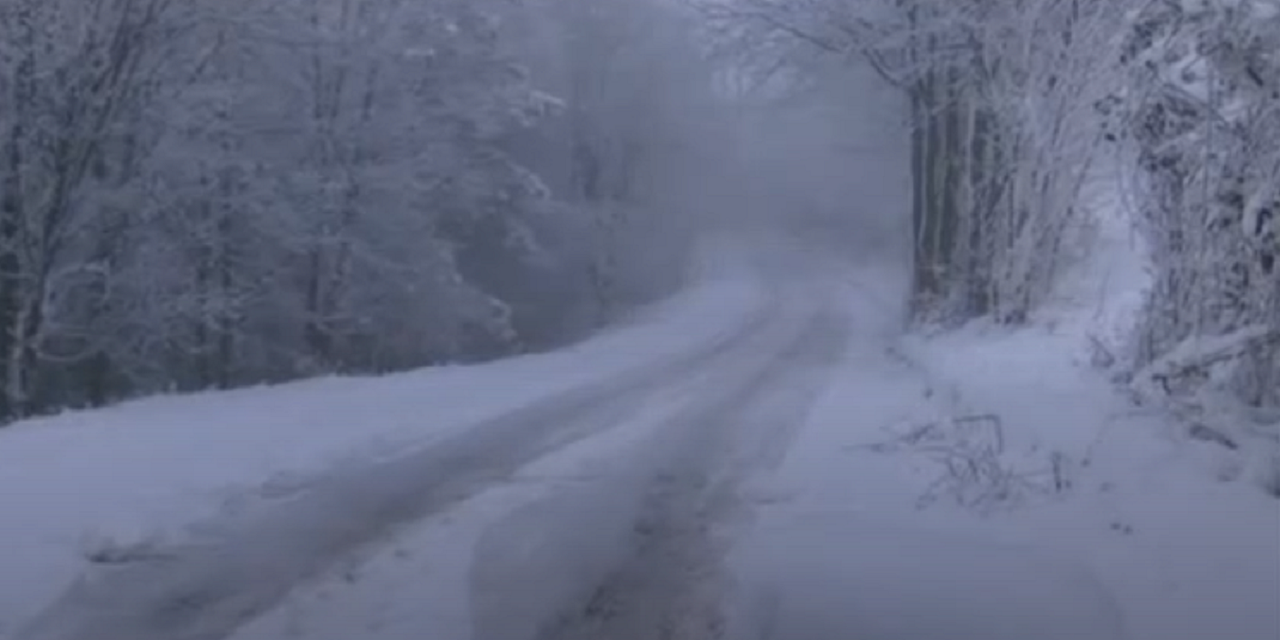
639,320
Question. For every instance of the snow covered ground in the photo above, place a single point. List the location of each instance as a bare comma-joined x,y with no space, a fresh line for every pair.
139,474
753,460
1138,541
497,565
991,484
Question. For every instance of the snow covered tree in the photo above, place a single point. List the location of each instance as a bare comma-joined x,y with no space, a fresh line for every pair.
405,108
198,195
1202,111
73,79
1001,120
625,151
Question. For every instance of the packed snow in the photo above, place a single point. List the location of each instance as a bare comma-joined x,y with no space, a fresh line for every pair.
1096,523
96,483
990,483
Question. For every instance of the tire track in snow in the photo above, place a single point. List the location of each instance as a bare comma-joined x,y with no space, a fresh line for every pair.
672,587
203,589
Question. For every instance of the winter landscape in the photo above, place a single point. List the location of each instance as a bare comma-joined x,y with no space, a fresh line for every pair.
639,320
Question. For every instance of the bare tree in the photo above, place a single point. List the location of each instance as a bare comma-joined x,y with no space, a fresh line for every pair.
1001,116
74,74
1202,114
638,115
205,195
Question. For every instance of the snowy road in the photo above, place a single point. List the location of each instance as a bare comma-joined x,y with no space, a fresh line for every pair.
703,472
671,441
670,585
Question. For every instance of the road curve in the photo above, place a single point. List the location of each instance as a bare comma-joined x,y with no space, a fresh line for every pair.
205,587
671,585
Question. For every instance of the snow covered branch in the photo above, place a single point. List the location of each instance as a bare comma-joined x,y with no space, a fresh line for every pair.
204,195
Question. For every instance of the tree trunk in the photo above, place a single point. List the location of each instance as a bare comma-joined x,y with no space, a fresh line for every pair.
936,150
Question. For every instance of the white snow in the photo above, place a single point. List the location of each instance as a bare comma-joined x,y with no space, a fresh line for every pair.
1067,512
88,481
1083,517
509,561
1184,552
499,564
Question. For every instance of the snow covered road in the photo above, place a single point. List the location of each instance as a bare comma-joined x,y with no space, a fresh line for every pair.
704,473
671,583
684,427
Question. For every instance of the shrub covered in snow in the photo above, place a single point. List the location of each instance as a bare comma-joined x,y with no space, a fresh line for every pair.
1202,112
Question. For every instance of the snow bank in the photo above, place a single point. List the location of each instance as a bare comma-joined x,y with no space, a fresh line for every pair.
92,481
833,577
991,483
499,565
842,548
1186,551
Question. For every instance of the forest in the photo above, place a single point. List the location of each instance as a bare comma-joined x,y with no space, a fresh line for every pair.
199,194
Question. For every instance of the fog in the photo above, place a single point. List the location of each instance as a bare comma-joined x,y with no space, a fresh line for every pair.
266,191
648,274
696,138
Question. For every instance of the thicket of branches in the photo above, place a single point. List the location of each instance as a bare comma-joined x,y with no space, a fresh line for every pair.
198,194
210,194
1202,113
1001,121
1010,105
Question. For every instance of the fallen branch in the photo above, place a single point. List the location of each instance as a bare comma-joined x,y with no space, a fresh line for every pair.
975,474
1195,356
